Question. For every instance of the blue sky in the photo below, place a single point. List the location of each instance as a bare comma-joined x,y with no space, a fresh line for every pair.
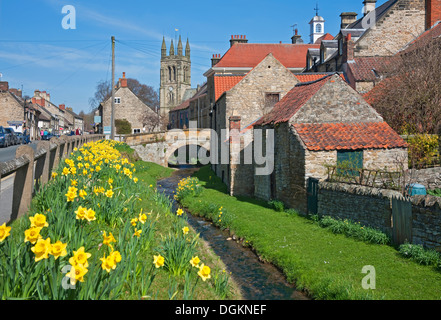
37,53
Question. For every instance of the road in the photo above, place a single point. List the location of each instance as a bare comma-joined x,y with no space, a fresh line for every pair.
7,184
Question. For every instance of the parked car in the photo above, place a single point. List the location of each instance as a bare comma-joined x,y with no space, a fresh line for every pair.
5,139
13,137
20,137
48,136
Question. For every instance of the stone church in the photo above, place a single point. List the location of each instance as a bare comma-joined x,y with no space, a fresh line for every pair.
175,83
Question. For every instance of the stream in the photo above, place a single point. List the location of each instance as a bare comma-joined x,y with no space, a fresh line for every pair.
256,280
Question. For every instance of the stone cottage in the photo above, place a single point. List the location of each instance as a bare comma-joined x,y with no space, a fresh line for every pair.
127,106
248,100
318,123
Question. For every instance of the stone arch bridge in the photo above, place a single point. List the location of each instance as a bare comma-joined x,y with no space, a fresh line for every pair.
159,147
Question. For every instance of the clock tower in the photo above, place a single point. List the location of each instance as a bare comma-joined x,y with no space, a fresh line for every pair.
175,76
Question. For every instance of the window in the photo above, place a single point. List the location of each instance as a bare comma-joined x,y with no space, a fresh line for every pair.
117,100
174,73
349,162
169,74
270,100
136,131
318,28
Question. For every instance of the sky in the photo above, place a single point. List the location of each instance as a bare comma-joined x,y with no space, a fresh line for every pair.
38,52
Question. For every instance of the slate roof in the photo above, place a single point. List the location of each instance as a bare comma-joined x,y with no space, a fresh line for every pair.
249,55
348,136
361,68
182,106
380,11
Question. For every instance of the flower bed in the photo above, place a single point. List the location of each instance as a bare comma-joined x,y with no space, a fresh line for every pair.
87,237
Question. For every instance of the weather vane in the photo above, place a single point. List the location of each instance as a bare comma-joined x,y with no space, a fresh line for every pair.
316,9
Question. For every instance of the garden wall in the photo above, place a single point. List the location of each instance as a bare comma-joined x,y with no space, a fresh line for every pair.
373,207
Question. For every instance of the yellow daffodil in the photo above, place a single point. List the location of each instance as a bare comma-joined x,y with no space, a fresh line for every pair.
110,181
54,174
137,233
134,221
179,212
4,232
81,213
109,193
38,220
58,249
82,194
116,256
108,263
42,249
107,240
135,180
77,273
80,258
158,261
142,218
73,183
90,215
185,230
204,272
65,172
195,262
31,235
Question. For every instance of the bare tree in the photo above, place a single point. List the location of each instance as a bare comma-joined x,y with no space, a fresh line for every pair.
102,93
410,98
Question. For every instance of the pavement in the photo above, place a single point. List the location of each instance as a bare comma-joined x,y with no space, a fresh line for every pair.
7,154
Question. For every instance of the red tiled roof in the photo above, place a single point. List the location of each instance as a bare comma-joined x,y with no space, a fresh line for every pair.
349,136
249,55
292,102
362,67
324,37
308,77
225,83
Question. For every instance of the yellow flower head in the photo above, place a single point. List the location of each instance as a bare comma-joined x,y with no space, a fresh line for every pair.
82,194
42,249
107,240
90,215
134,221
158,261
109,263
135,180
185,230
31,235
116,256
142,218
81,213
110,181
137,233
109,193
66,171
195,261
58,249
4,232
38,220
204,272
54,174
179,212
73,183
80,257
77,273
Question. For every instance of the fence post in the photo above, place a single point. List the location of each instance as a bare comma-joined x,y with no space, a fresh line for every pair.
23,182
45,174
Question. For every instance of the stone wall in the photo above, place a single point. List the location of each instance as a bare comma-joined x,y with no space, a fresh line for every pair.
404,22
372,207
10,109
430,178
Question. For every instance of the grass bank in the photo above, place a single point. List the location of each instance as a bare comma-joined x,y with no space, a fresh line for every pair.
322,263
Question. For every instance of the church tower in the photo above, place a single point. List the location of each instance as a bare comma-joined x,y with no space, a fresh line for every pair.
317,27
175,75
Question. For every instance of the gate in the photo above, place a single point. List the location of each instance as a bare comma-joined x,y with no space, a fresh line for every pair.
401,221
312,196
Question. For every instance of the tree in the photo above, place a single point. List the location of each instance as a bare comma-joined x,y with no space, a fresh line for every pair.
102,93
410,98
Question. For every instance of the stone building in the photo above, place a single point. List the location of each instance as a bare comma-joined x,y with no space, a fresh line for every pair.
16,112
248,100
362,47
175,77
127,106
320,123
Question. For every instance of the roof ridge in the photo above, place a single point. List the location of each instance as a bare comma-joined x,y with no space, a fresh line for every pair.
315,81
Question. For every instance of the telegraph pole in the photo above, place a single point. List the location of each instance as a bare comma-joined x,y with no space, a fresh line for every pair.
112,113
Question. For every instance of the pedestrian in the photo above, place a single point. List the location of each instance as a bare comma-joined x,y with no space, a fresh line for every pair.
77,132
41,134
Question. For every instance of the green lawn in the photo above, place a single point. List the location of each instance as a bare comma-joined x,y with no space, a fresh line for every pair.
327,265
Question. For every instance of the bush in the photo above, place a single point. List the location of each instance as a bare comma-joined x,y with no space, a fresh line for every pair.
420,255
423,150
277,205
123,126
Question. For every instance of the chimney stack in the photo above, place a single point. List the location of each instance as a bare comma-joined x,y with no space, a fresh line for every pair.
62,106
238,39
216,58
433,12
348,48
347,18
4,86
123,81
369,5
296,38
